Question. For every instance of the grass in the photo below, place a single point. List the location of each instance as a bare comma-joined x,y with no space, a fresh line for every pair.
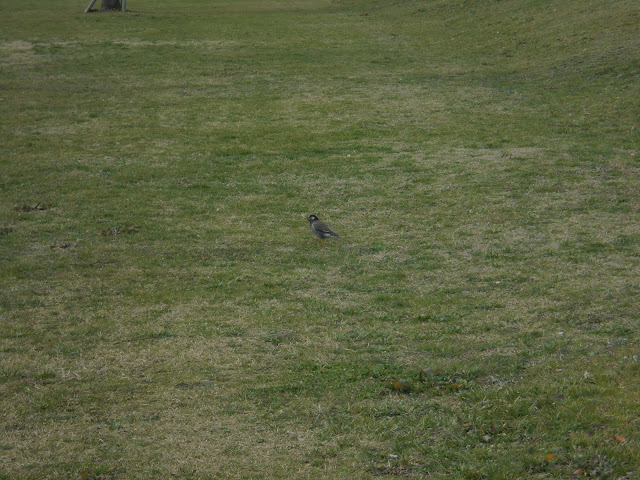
166,313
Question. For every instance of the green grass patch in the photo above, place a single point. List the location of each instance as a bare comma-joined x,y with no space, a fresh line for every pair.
166,313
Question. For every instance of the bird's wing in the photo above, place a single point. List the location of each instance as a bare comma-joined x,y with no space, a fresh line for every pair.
321,227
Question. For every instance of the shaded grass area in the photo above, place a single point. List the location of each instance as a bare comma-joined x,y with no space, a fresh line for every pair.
165,312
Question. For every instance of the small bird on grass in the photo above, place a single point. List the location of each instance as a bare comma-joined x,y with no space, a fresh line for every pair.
319,229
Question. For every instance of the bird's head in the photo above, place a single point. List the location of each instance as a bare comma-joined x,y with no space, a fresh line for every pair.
312,218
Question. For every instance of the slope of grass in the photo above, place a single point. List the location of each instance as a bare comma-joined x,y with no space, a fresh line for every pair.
166,313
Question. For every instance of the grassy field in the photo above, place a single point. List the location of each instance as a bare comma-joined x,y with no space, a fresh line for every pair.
166,313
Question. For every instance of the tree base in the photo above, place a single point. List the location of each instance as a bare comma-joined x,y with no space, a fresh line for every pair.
110,5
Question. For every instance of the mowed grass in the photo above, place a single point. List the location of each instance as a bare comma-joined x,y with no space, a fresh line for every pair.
166,313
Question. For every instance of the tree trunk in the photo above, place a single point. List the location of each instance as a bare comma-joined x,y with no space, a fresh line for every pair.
110,5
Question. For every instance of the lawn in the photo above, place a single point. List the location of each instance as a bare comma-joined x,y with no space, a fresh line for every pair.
165,311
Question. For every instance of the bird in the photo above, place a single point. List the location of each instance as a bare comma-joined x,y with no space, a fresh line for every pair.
319,229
